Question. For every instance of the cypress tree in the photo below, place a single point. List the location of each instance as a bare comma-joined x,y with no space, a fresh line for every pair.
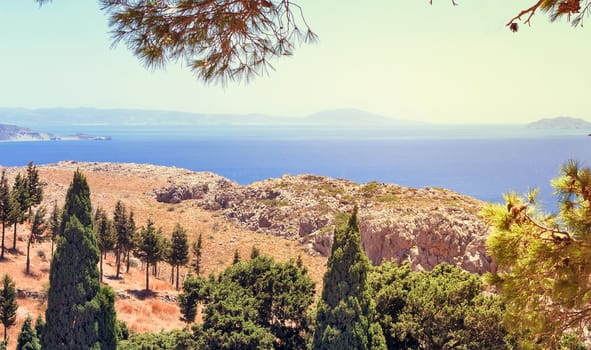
75,314
8,305
27,338
345,313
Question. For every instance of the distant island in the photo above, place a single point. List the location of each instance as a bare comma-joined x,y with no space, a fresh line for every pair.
10,132
560,123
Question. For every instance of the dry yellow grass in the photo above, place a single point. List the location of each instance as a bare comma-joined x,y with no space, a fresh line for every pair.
220,240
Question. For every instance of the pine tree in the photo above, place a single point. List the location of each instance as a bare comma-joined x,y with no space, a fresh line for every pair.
193,292
150,247
38,228
5,207
34,189
39,324
179,252
236,258
131,241
8,305
121,225
19,200
254,252
544,260
27,338
345,313
197,252
75,314
105,237
54,225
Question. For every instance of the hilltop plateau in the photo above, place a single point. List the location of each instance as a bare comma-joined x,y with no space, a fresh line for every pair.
284,217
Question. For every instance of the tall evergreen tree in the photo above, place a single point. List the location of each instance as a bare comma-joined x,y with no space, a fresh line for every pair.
197,252
179,250
34,189
5,207
27,338
38,228
39,324
121,225
54,225
131,241
345,313
236,258
75,314
19,200
105,236
8,305
150,247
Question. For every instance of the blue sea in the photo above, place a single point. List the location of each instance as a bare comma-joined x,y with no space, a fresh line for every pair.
480,162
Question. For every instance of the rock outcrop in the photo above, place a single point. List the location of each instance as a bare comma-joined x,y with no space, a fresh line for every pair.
423,226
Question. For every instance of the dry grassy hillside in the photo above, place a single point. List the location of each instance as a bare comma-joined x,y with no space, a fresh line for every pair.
133,185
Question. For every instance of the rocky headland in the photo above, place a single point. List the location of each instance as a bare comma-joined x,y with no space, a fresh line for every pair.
423,226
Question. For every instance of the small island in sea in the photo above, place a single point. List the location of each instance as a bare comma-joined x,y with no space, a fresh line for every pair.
560,123
10,132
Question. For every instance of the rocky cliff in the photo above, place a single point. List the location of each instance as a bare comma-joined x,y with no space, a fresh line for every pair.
422,226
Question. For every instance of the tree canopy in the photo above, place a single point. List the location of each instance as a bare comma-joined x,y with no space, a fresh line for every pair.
226,40
258,304
444,308
544,260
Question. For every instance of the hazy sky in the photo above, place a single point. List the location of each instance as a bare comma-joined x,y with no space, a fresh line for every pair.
403,59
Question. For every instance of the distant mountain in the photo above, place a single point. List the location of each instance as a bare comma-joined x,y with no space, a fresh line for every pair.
10,132
81,117
560,123
352,117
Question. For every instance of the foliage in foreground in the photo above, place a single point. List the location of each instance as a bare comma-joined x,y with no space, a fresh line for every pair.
544,260
439,309
258,304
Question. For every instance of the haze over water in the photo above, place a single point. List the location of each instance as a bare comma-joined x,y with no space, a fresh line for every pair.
477,161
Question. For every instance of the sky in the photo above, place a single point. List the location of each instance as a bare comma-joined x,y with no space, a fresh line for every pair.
404,59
